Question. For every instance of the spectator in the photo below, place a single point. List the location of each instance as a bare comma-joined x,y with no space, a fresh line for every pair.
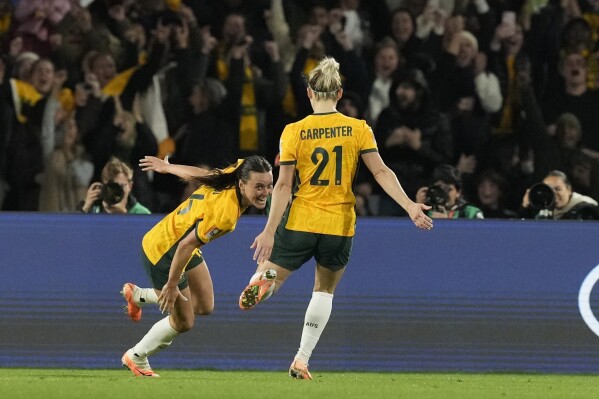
259,91
507,60
413,137
403,31
479,18
187,63
562,151
281,33
21,62
351,105
208,136
577,37
469,93
36,21
113,33
316,41
543,37
30,137
510,150
310,49
445,196
105,197
355,24
491,190
432,20
101,117
67,172
152,54
576,99
585,175
555,199
387,60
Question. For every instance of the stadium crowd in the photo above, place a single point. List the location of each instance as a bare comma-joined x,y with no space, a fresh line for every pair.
497,94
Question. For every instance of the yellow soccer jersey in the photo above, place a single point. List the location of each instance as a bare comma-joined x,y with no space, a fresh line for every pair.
325,149
211,213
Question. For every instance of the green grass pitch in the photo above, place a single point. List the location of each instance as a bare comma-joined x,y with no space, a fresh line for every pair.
88,384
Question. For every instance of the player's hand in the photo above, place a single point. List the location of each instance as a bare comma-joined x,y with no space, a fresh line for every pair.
168,297
263,245
420,219
156,164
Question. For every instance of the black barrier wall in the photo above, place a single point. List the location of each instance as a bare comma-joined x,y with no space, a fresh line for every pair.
466,296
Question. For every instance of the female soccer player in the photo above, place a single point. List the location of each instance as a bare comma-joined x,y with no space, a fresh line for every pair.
323,149
182,285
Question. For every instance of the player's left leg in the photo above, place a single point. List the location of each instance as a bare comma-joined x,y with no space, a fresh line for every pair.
290,251
316,319
160,336
265,282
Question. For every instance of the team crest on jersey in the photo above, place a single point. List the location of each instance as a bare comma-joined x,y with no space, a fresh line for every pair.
212,233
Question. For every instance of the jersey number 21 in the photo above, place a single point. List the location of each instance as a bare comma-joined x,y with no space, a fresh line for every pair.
324,156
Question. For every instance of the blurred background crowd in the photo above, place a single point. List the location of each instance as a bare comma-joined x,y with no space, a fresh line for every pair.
483,98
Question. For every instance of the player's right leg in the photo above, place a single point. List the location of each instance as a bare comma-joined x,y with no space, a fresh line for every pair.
202,291
299,370
136,297
316,319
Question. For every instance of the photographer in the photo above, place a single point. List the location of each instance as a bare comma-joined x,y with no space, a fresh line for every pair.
554,199
445,196
113,195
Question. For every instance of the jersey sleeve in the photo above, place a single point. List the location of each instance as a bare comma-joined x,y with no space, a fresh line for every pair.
287,147
219,219
367,141
207,230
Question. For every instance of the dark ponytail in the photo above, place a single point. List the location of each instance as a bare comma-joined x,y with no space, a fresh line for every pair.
222,179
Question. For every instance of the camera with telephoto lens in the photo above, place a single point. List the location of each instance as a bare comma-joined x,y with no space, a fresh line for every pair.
436,196
112,193
542,199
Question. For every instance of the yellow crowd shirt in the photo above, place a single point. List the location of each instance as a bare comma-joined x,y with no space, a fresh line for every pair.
325,149
211,213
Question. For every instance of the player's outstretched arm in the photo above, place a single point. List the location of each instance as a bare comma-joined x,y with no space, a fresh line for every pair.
388,181
264,242
164,166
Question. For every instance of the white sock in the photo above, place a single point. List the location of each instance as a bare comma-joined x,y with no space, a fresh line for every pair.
160,336
141,296
317,316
